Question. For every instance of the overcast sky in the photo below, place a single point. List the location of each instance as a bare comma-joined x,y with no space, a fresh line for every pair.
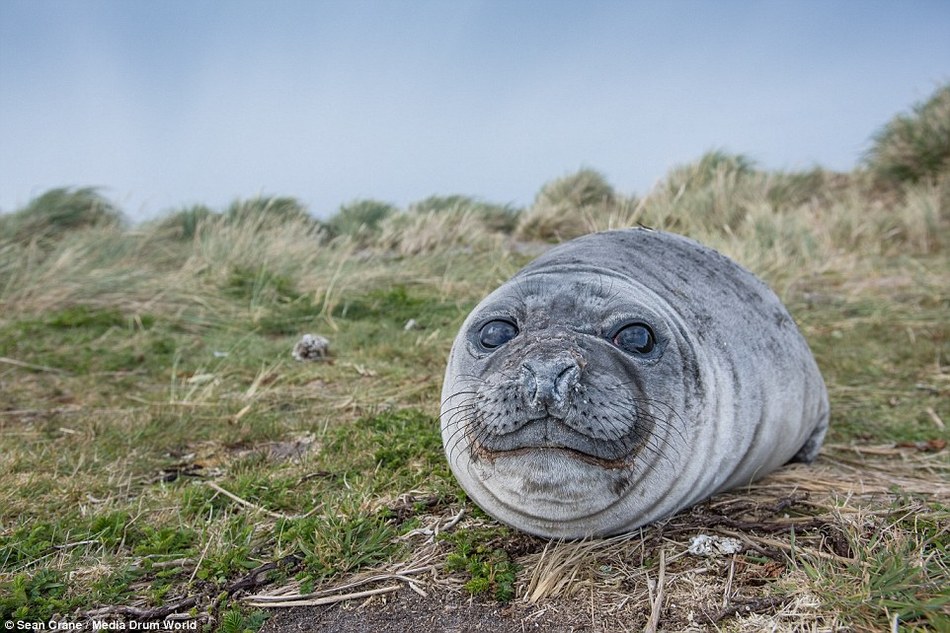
170,103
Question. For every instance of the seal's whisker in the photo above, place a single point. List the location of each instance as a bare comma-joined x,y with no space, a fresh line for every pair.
457,394
449,414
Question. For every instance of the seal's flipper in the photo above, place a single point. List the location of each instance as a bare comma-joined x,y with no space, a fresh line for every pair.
809,450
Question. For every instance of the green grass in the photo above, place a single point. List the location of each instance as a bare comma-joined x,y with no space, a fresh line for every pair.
896,347
158,443
902,555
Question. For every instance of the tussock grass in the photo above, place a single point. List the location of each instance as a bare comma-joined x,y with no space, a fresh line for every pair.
265,212
161,453
423,232
562,209
499,218
916,146
183,224
57,212
360,219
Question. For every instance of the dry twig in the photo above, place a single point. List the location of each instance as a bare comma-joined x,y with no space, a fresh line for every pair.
248,504
20,363
658,600
315,602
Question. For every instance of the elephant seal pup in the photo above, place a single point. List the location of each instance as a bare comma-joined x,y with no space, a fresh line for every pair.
621,377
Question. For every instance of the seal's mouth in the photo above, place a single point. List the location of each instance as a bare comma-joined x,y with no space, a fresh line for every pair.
606,464
552,434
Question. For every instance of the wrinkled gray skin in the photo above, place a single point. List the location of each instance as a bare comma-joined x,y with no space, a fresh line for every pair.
561,433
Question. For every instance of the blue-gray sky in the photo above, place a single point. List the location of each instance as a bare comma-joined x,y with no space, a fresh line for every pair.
171,103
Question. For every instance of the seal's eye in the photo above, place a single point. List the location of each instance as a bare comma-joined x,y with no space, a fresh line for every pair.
496,333
636,338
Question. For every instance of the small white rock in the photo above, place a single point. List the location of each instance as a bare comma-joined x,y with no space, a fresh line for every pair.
411,324
706,545
312,347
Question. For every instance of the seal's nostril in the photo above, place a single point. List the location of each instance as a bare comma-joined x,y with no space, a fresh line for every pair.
530,379
567,379
549,382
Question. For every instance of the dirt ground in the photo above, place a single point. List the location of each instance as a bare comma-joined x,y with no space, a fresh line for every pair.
406,611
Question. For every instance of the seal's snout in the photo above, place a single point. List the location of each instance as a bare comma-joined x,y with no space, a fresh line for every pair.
549,381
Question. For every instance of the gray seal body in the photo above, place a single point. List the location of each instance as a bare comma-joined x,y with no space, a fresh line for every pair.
621,377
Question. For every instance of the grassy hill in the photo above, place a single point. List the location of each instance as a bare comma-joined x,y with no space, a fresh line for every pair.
162,453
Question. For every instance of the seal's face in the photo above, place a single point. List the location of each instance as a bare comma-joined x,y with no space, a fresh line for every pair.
557,397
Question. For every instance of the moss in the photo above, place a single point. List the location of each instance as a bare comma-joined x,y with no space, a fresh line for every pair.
489,568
